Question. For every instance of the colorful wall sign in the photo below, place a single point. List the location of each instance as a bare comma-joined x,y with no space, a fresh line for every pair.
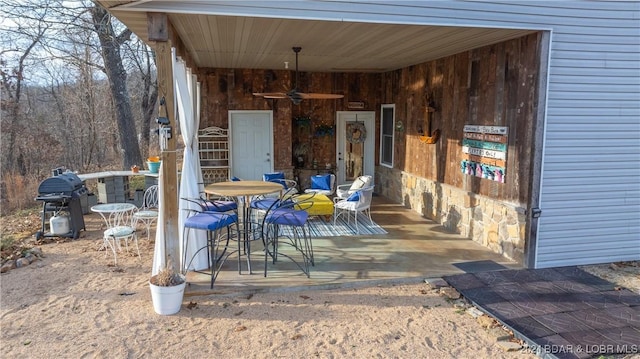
484,151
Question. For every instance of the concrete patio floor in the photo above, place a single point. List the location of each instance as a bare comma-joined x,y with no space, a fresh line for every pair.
414,248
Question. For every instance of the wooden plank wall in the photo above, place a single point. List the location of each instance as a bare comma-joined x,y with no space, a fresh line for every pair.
494,85
228,89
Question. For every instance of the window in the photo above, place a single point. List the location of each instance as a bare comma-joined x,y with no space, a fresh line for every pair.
387,124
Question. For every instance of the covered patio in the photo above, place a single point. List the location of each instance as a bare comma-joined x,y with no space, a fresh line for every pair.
216,59
413,249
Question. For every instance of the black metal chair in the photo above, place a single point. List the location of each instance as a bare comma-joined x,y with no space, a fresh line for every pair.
291,214
213,217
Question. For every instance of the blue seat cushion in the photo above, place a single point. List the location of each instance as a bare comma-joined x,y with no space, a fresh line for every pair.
210,221
354,197
119,231
267,203
235,179
220,206
287,217
264,203
321,182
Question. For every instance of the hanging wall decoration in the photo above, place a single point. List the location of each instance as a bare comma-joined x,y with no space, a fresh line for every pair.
302,121
428,137
324,130
484,151
356,132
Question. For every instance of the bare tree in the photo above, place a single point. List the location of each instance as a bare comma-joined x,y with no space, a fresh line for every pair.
13,77
71,77
110,45
77,38
82,101
143,60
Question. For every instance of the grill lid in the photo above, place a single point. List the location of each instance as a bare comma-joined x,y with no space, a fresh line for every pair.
65,183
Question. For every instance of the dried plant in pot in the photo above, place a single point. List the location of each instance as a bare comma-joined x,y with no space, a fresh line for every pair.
167,277
167,290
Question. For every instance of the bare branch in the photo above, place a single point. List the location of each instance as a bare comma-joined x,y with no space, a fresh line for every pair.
124,37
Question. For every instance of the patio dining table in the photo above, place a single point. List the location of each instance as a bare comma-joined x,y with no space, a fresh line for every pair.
243,191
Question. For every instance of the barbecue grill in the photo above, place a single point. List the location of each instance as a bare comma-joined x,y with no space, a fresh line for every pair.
62,193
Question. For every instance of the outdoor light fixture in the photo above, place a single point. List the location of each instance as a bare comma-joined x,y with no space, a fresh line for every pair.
164,126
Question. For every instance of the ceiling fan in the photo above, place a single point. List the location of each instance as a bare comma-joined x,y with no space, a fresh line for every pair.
295,95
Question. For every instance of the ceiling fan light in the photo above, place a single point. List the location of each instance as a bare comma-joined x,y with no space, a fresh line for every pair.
296,98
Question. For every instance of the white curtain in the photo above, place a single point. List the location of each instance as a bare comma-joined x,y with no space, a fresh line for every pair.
160,245
188,101
187,97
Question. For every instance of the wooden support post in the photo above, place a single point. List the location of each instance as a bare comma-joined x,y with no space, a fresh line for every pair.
168,156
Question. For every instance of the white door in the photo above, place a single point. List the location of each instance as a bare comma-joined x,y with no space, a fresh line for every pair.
355,141
251,138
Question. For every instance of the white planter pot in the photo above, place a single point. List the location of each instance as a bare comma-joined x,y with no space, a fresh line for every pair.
167,300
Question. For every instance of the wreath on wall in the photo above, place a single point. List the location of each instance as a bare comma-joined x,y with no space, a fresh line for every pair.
356,132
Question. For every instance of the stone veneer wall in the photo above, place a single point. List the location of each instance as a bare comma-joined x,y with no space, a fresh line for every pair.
496,225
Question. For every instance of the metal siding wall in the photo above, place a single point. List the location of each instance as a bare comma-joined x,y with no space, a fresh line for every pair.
590,195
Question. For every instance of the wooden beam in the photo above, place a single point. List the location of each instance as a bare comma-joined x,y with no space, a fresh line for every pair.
157,26
168,156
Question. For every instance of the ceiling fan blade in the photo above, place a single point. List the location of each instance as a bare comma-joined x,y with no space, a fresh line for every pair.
320,96
293,94
270,94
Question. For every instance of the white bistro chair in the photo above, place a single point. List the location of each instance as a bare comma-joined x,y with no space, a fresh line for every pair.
345,190
120,227
148,213
358,202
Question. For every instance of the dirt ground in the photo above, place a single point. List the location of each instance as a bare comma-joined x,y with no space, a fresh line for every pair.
73,302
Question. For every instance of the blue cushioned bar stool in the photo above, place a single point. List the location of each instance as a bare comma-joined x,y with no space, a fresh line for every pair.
289,214
219,205
213,223
258,207
290,186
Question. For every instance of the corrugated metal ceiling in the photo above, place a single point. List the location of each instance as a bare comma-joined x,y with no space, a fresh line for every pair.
221,41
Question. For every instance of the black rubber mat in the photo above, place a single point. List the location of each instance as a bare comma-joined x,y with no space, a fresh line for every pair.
560,312
479,266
